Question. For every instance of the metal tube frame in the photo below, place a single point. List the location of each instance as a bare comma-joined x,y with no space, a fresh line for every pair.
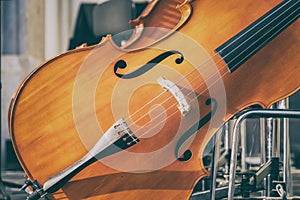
214,166
278,113
284,104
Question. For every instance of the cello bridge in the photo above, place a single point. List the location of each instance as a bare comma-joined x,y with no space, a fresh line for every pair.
182,105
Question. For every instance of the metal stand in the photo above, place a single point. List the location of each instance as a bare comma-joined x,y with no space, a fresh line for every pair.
282,113
2,190
215,158
286,146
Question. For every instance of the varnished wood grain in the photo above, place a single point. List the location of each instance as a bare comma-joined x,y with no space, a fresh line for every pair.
47,139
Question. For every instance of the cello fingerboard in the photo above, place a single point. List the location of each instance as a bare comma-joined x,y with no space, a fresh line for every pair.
246,43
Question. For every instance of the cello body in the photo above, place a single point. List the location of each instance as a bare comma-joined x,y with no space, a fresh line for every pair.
67,103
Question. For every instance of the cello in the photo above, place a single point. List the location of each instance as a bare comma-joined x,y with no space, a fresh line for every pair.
151,106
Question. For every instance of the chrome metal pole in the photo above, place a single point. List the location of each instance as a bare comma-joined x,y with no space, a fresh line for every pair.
269,149
227,139
262,140
284,104
271,131
270,135
214,166
235,136
263,148
243,145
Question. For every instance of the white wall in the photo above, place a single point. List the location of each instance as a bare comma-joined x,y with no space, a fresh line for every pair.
57,26
60,19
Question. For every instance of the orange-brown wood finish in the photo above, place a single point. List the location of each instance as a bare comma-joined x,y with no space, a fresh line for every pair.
170,15
46,135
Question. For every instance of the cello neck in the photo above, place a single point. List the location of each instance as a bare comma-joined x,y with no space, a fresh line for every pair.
246,43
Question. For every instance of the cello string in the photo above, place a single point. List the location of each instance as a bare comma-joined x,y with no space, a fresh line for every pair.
200,67
176,110
195,77
238,55
212,84
213,56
